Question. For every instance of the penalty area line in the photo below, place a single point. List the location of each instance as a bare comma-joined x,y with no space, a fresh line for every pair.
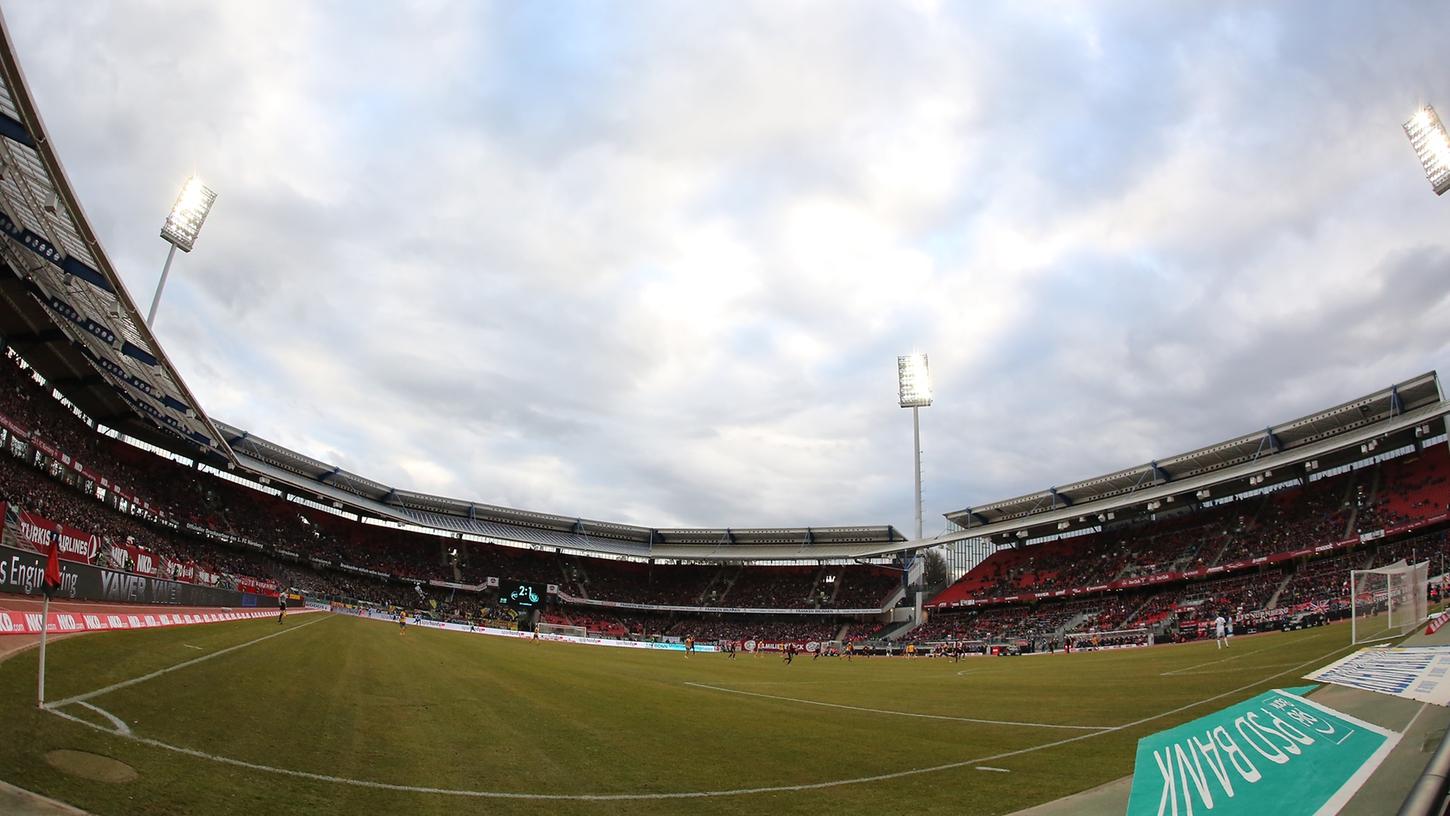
712,794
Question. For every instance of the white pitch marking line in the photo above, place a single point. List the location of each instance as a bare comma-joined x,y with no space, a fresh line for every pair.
900,713
80,698
1187,669
472,794
189,646
121,727
997,770
1235,669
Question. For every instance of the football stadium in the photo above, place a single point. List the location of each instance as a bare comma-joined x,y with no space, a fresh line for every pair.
197,619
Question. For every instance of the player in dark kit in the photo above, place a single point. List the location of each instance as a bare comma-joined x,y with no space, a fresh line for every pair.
789,653
281,607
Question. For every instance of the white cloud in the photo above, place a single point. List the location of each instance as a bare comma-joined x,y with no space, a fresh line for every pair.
653,263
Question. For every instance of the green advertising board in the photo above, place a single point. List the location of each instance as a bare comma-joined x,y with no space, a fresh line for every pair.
1276,753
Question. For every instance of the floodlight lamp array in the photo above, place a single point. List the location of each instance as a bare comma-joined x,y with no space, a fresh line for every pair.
1432,146
183,223
913,380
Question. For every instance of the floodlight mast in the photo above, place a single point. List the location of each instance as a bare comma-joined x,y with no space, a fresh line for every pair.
1432,146
181,228
913,382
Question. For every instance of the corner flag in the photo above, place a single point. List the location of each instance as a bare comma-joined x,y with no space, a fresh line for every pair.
51,580
49,583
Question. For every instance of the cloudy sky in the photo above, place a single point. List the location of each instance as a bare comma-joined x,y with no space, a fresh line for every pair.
653,262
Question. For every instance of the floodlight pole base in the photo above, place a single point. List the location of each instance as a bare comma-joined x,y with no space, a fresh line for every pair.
161,284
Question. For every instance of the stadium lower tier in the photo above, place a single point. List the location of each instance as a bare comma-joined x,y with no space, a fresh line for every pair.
1313,590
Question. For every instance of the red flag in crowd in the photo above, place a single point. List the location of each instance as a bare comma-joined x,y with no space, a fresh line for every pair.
51,582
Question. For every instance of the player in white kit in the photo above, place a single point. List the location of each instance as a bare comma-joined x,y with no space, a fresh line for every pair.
1219,625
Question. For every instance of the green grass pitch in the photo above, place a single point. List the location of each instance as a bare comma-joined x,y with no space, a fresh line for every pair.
353,699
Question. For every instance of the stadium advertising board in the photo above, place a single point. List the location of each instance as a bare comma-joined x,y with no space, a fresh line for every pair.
1414,672
21,571
451,626
1276,753
28,623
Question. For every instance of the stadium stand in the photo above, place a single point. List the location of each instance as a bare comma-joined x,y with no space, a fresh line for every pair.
239,532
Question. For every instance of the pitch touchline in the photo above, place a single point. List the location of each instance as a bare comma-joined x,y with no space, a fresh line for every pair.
80,698
899,713
364,783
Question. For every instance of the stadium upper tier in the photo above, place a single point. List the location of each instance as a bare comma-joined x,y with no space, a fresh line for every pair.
64,308
1402,414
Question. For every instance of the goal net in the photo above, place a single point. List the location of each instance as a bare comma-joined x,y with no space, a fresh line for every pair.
1387,602
1115,639
562,629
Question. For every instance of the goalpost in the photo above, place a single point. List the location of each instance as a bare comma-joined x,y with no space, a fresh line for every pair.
562,629
1387,602
1115,639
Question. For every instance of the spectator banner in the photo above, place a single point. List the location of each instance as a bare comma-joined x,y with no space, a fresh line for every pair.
1276,753
255,586
1415,672
75,545
361,570
20,572
13,428
454,585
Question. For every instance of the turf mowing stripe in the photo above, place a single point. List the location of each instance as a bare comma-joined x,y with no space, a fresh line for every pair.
80,698
595,797
901,713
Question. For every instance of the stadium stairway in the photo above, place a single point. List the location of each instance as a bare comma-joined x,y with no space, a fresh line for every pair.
1422,728
1073,623
1274,599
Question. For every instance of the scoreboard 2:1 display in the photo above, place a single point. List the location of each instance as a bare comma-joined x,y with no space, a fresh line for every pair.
520,594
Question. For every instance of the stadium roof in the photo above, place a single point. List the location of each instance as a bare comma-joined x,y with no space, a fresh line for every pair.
63,306
329,483
1393,416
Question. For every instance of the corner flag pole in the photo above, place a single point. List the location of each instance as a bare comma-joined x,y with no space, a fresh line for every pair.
49,583
44,628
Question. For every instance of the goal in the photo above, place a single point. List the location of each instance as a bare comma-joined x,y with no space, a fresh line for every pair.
1115,639
1387,602
562,629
